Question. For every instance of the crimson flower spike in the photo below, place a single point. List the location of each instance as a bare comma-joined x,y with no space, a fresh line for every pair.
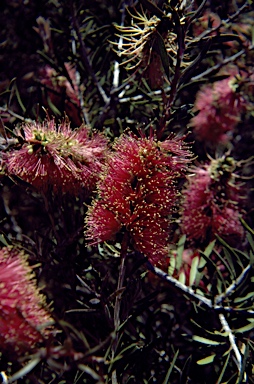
210,203
57,157
219,109
25,321
138,193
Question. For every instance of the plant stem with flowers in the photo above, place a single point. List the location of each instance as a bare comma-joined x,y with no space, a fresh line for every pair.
137,225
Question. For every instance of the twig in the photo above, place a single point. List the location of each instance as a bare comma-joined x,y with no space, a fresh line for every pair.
77,78
184,288
216,67
197,12
21,118
212,304
116,73
177,72
220,298
231,58
231,337
86,61
158,92
117,308
227,21
206,35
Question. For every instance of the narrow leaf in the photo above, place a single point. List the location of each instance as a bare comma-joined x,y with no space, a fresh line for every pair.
223,370
230,263
166,380
25,370
246,328
247,226
206,360
160,48
180,249
209,248
251,258
205,341
2,129
245,298
250,240
90,372
3,240
193,270
19,99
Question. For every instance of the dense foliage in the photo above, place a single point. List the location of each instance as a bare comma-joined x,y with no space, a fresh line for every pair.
126,191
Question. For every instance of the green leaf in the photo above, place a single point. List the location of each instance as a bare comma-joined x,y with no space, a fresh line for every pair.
182,278
25,370
251,258
202,340
227,37
193,270
166,380
245,298
223,369
230,263
90,372
171,266
19,99
206,360
131,346
160,48
218,272
247,226
200,268
2,129
53,108
250,240
224,334
202,264
246,328
207,252
243,377
180,249
232,251
225,262
3,240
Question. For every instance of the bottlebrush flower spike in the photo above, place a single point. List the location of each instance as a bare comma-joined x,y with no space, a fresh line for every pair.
211,202
137,37
149,45
219,109
138,193
24,319
57,157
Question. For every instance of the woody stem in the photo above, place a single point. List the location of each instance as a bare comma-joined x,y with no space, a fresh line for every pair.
117,320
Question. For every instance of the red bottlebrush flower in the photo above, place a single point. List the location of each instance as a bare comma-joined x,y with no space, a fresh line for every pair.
57,157
59,90
210,204
219,109
138,193
24,320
